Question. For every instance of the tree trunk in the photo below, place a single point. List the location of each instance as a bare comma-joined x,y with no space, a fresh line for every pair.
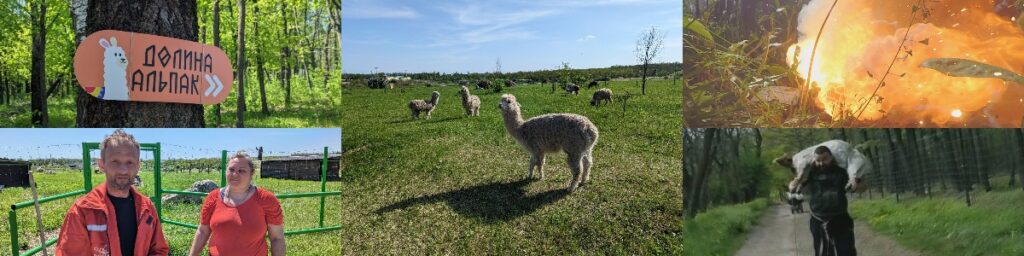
216,42
979,152
702,172
643,79
240,109
168,18
259,66
287,60
40,117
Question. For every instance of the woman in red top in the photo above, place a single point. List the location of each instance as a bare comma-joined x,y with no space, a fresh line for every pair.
236,218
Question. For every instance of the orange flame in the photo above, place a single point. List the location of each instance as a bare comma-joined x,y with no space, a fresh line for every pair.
861,38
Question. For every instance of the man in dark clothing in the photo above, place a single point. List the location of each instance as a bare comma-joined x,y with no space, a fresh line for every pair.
826,187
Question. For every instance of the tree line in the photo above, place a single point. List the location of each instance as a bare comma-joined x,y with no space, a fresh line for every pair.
730,166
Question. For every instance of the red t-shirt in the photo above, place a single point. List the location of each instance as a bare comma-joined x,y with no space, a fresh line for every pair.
240,230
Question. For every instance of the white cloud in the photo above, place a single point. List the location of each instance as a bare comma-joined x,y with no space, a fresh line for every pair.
474,23
586,38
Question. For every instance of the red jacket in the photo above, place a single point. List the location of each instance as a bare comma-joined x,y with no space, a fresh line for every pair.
91,229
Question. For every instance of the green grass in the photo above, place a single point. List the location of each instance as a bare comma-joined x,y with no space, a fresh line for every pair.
454,184
946,226
299,213
316,107
722,230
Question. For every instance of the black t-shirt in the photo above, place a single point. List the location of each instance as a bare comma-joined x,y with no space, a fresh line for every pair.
127,225
826,187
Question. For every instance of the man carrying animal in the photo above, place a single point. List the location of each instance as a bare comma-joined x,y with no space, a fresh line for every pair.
825,187
824,173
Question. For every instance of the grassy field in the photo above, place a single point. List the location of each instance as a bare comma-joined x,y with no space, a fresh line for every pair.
316,107
722,230
944,225
299,212
455,184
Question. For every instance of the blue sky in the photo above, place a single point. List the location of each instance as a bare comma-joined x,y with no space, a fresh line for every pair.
470,36
29,143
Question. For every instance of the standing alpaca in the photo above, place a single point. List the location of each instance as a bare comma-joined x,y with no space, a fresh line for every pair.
604,94
115,74
470,102
550,133
417,106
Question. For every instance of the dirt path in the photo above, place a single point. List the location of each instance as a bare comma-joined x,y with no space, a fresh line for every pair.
781,233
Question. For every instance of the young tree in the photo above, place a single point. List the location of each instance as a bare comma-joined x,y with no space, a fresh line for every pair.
647,48
216,42
170,18
259,65
40,117
240,109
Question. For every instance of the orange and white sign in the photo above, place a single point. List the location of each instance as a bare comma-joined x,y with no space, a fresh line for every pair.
126,66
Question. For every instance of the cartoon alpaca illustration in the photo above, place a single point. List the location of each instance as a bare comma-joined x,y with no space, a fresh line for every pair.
115,74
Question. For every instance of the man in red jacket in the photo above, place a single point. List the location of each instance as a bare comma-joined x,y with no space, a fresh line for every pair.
114,218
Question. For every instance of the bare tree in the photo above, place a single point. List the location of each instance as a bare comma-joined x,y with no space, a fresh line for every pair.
647,48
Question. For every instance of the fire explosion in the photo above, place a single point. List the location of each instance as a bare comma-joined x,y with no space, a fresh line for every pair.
862,37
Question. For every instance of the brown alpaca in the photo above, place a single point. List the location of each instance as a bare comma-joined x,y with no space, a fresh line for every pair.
470,102
417,106
550,133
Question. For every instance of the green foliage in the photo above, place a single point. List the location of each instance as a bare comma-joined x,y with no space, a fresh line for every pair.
695,26
303,27
460,176
722,230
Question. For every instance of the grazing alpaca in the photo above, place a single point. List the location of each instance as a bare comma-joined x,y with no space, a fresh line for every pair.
604,94
417,106
571,133
470,102
592,84
573,89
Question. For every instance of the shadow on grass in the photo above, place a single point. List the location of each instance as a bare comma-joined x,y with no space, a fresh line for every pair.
493,202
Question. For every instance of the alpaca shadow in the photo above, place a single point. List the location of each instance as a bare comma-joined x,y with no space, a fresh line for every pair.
439,120
491,203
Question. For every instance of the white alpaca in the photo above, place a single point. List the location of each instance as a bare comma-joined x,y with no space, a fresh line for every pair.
115,75
571,133
845,155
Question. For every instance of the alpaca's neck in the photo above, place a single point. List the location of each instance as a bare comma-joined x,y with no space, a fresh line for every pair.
513,120
465,98
433,100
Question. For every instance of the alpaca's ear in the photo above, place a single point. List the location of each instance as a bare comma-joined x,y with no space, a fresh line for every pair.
104,43
113,41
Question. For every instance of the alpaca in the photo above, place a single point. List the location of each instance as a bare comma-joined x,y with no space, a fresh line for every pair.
115,74
417,106
573,89
592,84
604,94
470,102
571,133
845,154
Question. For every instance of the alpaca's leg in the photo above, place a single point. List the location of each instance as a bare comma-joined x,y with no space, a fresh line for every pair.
587,161
575,160
428,112
540,165
415,114
536,162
